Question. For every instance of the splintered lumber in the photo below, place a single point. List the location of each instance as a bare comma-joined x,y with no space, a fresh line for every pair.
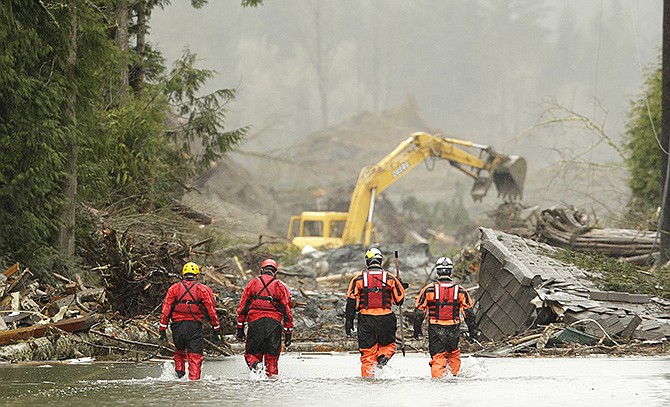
220,279
569,228
10,271
37,331
131,342
243,272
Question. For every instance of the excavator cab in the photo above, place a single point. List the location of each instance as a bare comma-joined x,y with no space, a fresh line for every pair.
318,229
334,229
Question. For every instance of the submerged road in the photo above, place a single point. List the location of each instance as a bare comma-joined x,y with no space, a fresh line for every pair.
308,379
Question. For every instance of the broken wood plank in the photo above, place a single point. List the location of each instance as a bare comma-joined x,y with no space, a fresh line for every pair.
19,280
80,282
37,331
62,278
11,270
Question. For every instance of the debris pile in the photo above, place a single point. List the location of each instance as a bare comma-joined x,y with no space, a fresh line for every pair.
71,320
521,289
526,300
570,228
29,309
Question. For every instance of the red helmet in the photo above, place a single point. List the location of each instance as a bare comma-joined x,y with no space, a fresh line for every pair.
269,263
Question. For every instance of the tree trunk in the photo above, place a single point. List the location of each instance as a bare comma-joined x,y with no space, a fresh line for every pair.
137,79
121,37
65,242
665,136
320,65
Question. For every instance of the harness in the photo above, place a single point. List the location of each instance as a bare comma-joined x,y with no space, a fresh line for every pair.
266,288
267,302
185,305
376,293
445,306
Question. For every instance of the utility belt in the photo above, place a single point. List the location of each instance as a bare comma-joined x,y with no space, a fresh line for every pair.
183,306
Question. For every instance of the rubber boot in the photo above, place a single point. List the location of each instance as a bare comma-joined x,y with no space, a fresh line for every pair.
252,360
454,361
387,351
194,365
180,363
438,365
271,365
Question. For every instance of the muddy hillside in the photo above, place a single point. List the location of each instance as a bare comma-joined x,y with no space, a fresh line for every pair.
256,190
257,194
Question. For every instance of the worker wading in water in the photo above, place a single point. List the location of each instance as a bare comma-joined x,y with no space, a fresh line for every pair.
371,293
444,300
186,304
265,306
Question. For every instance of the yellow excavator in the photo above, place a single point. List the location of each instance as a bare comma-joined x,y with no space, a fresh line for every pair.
335,229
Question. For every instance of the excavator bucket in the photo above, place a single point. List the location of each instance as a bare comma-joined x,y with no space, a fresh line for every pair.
509,178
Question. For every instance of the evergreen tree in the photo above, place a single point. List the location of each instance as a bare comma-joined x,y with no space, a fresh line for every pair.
69,130
641,143
33,92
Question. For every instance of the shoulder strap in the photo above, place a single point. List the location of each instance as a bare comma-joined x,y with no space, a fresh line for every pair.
181,298
188,291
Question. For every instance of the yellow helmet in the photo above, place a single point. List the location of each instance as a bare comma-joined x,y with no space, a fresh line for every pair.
190,268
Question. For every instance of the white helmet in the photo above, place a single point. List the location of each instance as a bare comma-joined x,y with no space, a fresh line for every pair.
444,266
373,256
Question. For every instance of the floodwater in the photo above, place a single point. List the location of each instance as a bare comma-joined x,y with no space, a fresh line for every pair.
309,379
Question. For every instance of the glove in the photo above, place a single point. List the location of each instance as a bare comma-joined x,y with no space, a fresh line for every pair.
240,334
216,337
417,335
163,335
348,327
287,339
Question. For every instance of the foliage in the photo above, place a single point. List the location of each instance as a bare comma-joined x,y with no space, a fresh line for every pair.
31,132
203,117
641,144
134,151
611,274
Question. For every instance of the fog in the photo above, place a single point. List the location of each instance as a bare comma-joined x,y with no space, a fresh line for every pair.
493,72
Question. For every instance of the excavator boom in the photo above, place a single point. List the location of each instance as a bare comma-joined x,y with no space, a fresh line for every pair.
507,173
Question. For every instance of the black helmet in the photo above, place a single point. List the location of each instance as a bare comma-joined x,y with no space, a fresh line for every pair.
444,266
373,256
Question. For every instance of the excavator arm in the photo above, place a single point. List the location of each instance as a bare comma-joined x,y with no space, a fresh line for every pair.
506,172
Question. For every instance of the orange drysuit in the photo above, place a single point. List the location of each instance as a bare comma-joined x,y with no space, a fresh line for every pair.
371,293
444,301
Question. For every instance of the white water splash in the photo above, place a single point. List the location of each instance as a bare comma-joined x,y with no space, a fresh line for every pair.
334,381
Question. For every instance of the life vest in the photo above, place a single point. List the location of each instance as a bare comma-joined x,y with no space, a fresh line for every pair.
376,293
444,306
265,299
188,301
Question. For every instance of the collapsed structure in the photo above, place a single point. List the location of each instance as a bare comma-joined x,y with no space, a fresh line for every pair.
521,287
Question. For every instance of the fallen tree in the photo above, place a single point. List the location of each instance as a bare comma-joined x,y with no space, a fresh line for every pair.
570,228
